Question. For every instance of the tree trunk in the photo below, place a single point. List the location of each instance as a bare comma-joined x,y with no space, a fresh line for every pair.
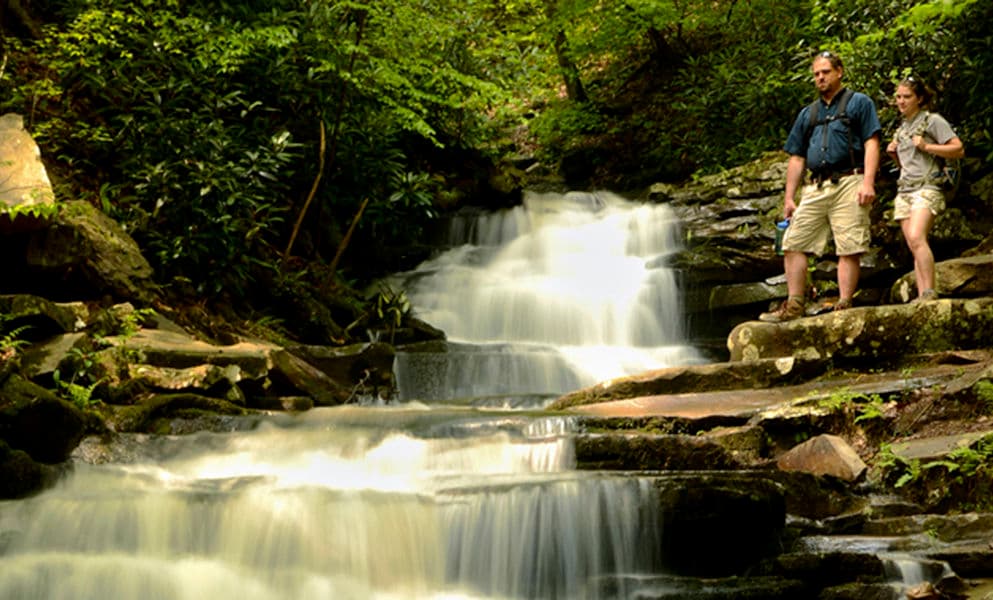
570,73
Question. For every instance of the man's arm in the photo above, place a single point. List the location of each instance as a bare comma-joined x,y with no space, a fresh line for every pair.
794,175
867,193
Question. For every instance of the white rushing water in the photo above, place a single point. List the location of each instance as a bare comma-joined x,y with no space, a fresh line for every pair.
400,502
426,498
562,292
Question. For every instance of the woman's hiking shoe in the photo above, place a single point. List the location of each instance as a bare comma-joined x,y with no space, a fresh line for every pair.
926,296
791,308
842,304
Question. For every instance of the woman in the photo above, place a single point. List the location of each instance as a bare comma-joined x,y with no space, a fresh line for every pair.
923,138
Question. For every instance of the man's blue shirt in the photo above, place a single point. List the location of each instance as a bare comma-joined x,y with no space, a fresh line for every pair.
834,156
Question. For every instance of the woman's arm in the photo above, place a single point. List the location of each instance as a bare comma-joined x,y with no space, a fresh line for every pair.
953,148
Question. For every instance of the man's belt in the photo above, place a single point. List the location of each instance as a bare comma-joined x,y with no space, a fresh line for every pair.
832,175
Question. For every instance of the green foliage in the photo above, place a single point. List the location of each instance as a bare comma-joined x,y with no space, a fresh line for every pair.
896,468
960,480
565,126
711,84
10,336
984,393
80,386
391,306
389,309
867,407
944,43
197,124
45,210
131,321
81,396
145,99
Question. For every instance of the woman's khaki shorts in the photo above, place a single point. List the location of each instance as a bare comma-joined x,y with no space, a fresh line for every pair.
907,202
829,209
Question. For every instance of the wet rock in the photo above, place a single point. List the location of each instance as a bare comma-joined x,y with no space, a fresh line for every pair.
644,452
369,364
302,376
284,403
860,591
20,475
716,525
817,498
696,378
826,569
212,380
747,444
673,587
151,413
934,448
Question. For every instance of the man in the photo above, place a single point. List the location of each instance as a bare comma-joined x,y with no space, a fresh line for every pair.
843,156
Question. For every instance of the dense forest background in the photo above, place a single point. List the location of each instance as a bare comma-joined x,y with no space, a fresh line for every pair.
259,147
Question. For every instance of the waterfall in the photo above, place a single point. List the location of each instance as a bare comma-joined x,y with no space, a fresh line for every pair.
427,498
351,502
562,292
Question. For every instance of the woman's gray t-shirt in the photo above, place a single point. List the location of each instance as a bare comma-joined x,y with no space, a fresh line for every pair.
916,166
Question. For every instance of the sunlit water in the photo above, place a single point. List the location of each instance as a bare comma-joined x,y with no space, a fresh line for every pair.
562,292
426,498
401,502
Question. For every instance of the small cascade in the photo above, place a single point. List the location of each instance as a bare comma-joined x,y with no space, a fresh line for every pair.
561,292
524,543
909,573
353,502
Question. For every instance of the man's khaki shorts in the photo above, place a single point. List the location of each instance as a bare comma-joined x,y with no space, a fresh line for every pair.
828,209
907,202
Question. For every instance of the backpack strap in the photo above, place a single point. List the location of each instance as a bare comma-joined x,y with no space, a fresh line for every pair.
841,114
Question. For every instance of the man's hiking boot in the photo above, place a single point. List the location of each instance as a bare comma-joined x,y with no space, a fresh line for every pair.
926,296
791,308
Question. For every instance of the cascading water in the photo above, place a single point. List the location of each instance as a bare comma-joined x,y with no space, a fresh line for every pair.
339,503
562,292
406,500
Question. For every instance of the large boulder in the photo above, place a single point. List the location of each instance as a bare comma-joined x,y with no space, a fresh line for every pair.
23,179
36,421
960,277
875,332
20,475
94,254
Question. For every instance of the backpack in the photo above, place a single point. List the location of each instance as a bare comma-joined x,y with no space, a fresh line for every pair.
840,115
947,174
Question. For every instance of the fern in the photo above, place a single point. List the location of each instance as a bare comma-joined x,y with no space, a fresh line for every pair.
11,340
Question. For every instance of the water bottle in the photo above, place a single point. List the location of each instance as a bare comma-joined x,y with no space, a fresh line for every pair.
780,231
